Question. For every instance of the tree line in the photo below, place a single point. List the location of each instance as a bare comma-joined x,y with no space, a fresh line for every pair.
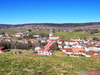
29,45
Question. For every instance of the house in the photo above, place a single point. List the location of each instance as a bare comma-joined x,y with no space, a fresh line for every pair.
91,53
59,46
73,42
43,41
1,35
37,48
73,51
7,34
60,41
25,34
98,45
36,35
2,49
19,34
79,46
42,52
45,52
51,52
53,37
96,49
86,41
8,39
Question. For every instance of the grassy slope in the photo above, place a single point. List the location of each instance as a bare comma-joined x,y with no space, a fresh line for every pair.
69,35
59,63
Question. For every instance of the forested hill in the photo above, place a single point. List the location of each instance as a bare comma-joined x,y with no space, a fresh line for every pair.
54,26
65,24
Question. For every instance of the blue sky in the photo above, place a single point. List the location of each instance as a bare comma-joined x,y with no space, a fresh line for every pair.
49,11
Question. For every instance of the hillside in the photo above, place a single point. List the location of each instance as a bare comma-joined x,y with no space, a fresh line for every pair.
58,64
55,26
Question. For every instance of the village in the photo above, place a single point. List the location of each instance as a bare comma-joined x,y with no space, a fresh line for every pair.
47,46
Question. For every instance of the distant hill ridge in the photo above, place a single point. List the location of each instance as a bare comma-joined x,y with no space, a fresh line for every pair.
51,26
55,24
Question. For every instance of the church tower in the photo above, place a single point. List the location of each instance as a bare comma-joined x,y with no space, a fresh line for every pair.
51,34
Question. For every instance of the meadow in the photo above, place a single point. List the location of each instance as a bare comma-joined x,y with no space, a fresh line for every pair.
57,64
63,35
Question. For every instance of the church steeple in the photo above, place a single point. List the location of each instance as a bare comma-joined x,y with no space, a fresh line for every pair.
51,34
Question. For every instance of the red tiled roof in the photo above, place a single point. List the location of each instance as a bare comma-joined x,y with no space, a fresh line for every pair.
67,41
91,52
1,48
58,43
74,49
95,55
72,41
18,34
75,44
69,45
61,40
67,49
8,39
5,50
78,49
81,45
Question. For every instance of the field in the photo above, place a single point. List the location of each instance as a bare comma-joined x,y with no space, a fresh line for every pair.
63,35
58,64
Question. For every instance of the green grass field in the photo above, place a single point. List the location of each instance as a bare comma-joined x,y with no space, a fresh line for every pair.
63,35
58,64
23,30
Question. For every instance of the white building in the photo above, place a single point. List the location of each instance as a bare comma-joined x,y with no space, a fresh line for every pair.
19,34
51,34
1,51
37,48
1,35
94,49
53,37
36,35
